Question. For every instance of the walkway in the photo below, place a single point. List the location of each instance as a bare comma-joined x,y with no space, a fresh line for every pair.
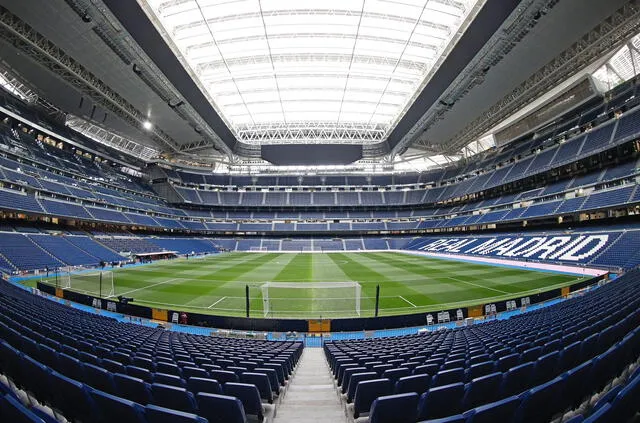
311,397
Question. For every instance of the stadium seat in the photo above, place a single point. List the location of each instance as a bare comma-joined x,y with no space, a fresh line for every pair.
109,408
482,390
71,397
261,381
173,397
399,408
354,380
167,379
249,396
12,410
366,392
156,414
200,384
440,401
499,411
224,376
99,378
415,383
541,402
132,388
447,377
220,408
517,379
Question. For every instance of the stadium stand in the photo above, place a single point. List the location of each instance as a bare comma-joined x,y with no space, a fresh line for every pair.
525,369
125,373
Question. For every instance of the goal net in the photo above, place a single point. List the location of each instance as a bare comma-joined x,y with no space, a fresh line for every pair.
258,249
321,299
97,283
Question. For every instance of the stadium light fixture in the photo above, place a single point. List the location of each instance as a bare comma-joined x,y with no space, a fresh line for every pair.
147,125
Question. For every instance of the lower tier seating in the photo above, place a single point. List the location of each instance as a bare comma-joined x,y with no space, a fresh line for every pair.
528,368
93,368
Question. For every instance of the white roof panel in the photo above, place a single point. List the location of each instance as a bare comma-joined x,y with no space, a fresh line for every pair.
301,66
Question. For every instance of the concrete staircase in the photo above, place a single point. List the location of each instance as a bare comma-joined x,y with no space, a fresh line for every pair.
311,397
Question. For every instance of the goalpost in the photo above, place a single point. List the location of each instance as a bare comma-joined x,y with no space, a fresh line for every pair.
98,282
324,299
258,249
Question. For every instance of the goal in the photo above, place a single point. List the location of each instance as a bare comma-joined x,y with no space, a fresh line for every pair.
321,299
258,249
85,282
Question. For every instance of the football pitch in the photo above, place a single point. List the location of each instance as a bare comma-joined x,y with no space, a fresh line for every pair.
408,283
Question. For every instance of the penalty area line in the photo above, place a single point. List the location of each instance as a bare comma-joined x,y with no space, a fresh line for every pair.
410,303
223,298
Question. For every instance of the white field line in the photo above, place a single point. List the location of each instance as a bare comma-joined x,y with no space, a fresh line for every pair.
148,286
410,303
223,298
480,286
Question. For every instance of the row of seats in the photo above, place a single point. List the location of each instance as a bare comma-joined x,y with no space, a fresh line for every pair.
94,366
554,350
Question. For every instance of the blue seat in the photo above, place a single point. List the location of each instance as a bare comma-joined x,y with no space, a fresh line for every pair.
224,376
603,414
279,372
140,373
132,388
145,363
168,368
220,408
345,375
262,383
366,392
247,394
499,411
447,377
569,356
110,408
541,402
173,397
507,362
114,366
394,374
415,383
200,384
530,354
578,383
36,378
99,378
71,367
625,404
71,397
273,378
427,369
441,401
168,379
12,410
479,369
482,390
355,379
399,408
157,414
188,372
546,367
458,418
517,379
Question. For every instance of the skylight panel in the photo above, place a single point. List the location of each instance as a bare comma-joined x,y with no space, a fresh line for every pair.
301,65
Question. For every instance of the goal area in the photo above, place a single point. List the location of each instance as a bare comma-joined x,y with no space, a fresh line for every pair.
318,299
98,283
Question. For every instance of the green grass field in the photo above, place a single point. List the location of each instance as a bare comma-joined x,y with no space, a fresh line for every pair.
408,283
